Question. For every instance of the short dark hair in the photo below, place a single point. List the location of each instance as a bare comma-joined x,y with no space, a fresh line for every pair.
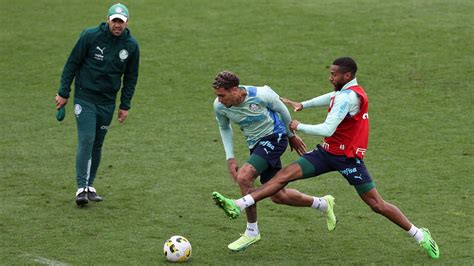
346,64
226,80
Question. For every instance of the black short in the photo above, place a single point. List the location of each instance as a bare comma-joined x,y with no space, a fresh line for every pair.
319,161
265,155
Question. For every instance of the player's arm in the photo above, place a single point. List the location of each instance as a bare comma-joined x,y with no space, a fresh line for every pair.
275,104
72,65
226,136
297,106
319,101
342,105
227,140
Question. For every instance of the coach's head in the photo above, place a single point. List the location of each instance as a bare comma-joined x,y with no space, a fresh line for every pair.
117,18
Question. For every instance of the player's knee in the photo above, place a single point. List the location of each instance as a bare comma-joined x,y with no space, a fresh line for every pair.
86,141
285,172
243,180
245,184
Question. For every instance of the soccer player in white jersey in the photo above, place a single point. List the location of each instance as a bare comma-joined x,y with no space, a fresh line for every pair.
264,120
346,132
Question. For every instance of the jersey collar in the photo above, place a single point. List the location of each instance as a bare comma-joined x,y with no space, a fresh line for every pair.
350,84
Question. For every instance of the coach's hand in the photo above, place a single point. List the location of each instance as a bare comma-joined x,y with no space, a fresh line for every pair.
122,115
60,101
233,168
297,144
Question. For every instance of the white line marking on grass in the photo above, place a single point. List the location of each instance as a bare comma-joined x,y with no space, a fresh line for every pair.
44,261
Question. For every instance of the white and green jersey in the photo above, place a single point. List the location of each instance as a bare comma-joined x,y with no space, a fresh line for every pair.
261,114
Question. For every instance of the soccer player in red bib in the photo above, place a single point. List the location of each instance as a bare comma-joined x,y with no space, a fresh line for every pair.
346,135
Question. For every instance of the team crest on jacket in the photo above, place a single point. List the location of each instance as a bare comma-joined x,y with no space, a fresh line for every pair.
77,109
254,107
123,54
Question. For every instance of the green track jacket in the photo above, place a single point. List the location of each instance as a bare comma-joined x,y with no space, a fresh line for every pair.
97,63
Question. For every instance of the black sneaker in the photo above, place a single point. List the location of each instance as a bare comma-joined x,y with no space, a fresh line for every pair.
92,195
81,197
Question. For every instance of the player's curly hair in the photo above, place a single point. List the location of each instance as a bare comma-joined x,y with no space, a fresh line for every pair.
346,64
226,80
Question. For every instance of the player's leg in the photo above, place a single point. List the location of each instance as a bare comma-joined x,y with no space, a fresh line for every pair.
311,164
356,173
393,213
245,178
271,150
86,123
264,157
295,198
390,211
292,197
104,118
265,154
279,181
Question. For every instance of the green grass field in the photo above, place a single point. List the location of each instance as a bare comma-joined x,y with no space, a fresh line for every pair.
160,167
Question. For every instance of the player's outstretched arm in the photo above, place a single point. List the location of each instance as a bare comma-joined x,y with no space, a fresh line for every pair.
297,106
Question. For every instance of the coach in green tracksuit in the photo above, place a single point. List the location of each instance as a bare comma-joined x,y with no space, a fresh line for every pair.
102,56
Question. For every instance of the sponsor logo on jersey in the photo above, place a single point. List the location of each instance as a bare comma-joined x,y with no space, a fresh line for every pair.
99,56
267,143
361,151
348,171
325,145
101,50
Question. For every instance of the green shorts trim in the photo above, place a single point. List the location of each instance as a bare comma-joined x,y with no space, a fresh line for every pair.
306,167
258,162
361,189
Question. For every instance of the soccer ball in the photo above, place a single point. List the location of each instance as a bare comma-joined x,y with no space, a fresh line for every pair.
177,249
